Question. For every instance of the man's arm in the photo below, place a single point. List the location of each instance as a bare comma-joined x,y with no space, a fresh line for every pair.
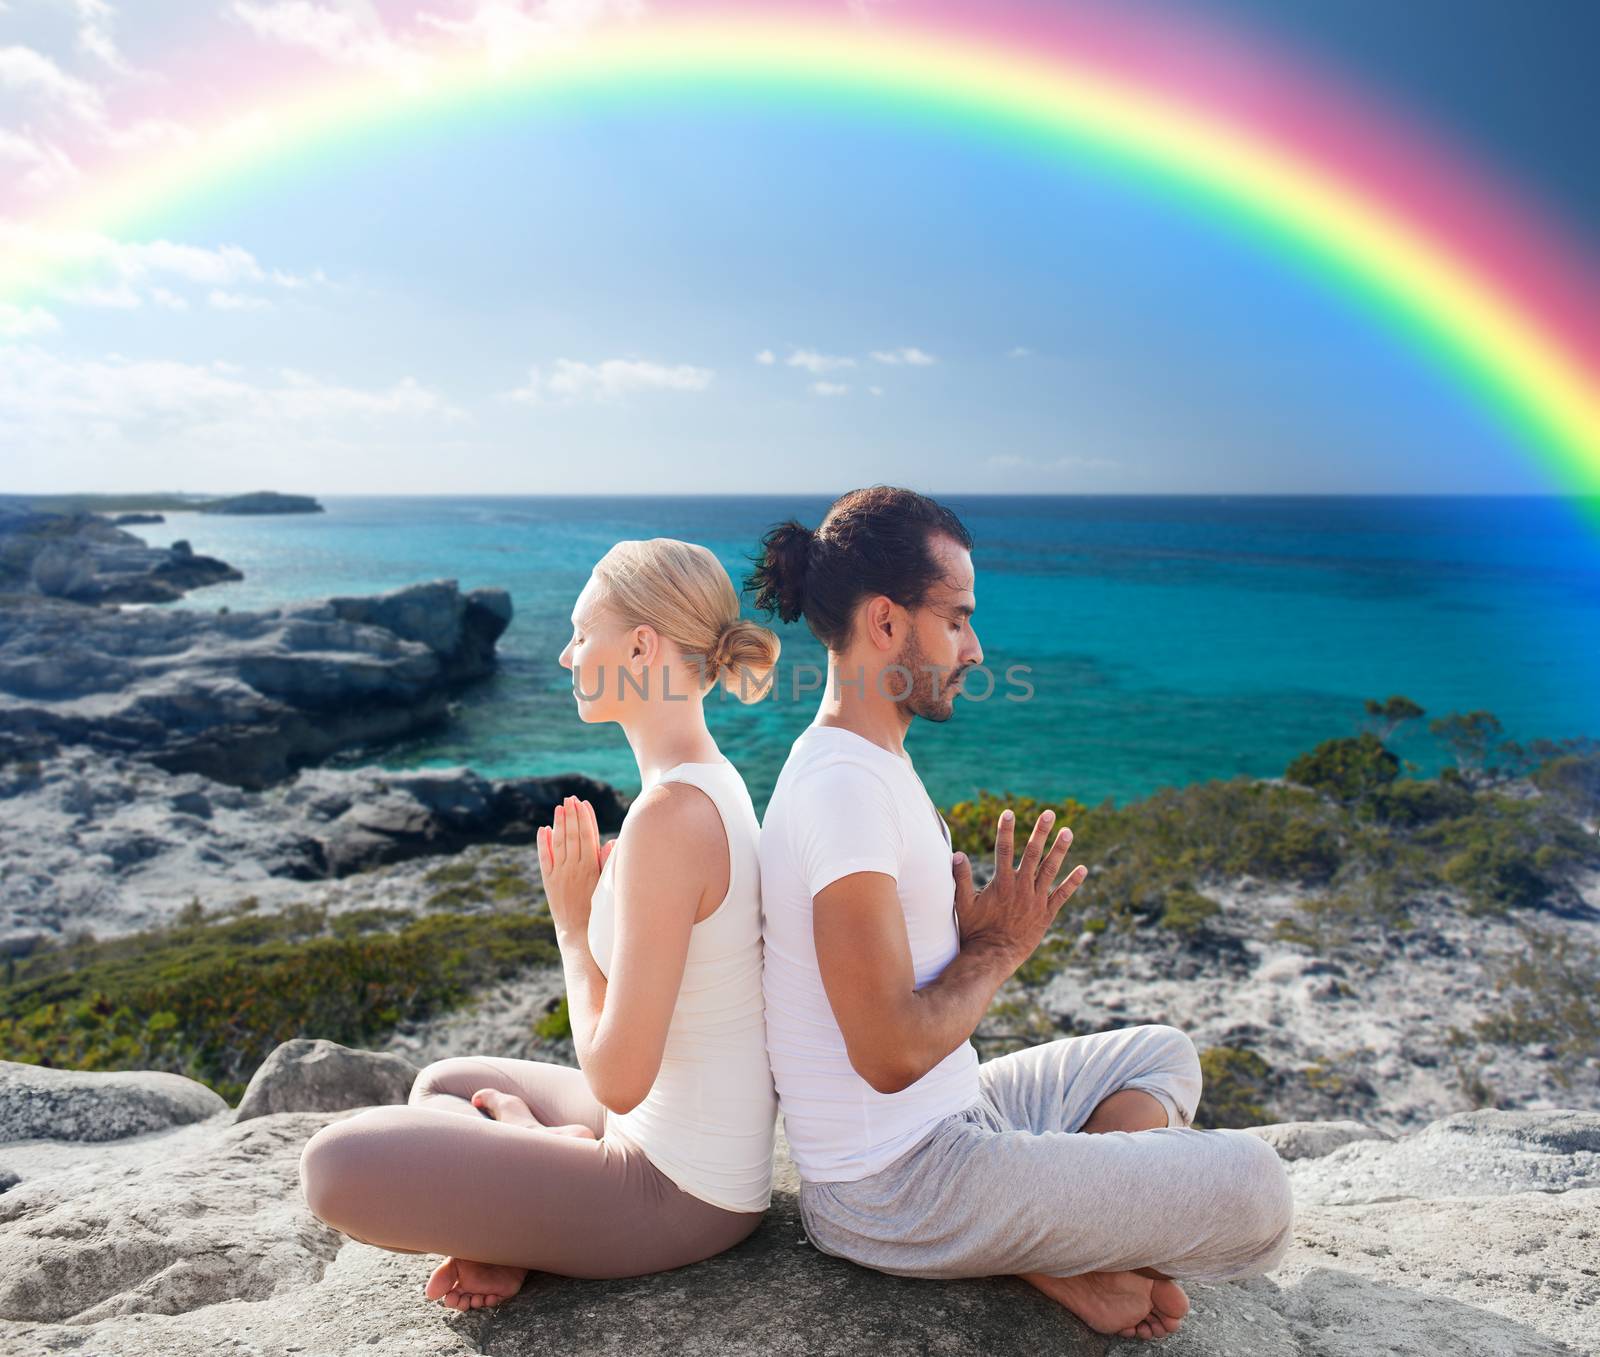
894,1032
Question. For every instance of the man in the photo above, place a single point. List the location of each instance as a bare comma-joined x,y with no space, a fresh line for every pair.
1073,1164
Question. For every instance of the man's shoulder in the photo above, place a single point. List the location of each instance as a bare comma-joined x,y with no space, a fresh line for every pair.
820,771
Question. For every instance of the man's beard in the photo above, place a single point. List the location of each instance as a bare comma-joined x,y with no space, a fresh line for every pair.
932,695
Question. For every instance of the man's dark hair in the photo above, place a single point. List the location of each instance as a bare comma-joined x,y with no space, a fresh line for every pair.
871,541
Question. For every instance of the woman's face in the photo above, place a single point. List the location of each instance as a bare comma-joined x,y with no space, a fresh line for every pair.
600,647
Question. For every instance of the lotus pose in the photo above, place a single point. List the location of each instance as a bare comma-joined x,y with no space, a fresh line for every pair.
656,1151
1073,1164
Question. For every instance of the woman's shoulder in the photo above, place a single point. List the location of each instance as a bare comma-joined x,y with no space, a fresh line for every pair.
673,816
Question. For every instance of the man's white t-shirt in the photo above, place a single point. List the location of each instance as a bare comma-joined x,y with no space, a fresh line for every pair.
844,804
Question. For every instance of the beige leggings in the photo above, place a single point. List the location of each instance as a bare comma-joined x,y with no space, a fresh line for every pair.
438,1176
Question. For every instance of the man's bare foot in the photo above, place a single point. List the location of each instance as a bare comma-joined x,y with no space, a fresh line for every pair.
464,1285
509,1108
1127,1304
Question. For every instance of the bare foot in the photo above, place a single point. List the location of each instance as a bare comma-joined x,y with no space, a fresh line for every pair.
509,1108
1127,1304
464,1285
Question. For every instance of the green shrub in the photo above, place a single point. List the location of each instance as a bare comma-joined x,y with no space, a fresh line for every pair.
1550,995
973,823
1408,802
1507,854
1233,1089
211,998
1574,780
1189,912
556,1025
1346,769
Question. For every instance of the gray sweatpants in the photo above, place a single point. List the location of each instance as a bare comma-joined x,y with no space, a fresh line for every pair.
1012,1185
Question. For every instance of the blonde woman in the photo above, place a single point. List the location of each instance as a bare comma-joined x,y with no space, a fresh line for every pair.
656,1150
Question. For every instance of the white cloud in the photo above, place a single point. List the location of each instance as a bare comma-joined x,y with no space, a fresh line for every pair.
17,321
875,390
348,36
766,358
95,20
38,78
119,273
1020,351
48,165
572,380
817,363
507,30
49,402
830,388
908,357
353,33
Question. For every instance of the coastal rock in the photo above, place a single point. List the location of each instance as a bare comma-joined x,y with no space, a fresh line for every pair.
37,1102
209,1245
134,520
114,844
86,559
316,1075
1313,1139
1484,1153
244,697
260,502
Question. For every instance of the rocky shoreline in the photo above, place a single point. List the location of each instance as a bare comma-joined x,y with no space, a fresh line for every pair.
158,764
150,758
186,1233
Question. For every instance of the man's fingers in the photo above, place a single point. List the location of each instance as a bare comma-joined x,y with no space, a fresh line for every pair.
1058,854
1004,851
1060,895
961,866
1034,849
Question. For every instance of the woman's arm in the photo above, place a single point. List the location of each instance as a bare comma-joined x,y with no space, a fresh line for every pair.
674,851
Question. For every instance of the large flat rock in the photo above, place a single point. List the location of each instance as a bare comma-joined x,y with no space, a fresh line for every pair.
195,1241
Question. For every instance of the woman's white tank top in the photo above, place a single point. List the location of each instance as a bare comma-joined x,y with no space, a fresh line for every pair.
709,1120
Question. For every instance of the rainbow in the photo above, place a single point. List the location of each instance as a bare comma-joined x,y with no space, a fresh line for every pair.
1454,263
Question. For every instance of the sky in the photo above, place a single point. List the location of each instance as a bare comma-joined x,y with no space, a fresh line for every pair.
695,297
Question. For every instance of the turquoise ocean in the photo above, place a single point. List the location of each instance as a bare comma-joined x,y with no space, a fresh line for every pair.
1165,639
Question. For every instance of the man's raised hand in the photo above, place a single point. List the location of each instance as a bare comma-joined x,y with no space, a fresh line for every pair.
1013,912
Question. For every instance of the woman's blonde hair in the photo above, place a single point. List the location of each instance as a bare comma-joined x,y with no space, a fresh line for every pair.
684,592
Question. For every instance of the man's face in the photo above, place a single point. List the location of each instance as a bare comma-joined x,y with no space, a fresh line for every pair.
941,645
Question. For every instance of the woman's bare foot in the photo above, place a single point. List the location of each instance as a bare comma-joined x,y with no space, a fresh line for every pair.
464,1285
509,1108
1127,1304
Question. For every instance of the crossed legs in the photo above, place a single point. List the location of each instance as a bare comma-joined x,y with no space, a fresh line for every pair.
438,1176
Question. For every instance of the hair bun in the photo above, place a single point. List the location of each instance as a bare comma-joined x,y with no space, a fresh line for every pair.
779,578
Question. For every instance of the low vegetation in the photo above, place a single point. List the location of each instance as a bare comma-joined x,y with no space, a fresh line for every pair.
209,997
1347,832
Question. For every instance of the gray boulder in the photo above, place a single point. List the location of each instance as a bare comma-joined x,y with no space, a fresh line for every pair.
85,558
315,1075
244,697
38,1102
1470,1154
1313,1139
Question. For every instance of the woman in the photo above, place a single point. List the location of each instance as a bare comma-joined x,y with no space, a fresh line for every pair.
656,1151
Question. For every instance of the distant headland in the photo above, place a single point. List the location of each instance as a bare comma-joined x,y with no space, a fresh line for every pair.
256,502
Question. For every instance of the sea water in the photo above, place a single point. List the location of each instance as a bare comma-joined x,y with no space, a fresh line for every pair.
1134,642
